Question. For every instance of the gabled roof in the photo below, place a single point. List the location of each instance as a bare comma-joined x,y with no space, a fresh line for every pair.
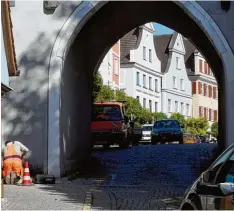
8,38
161,44
128,42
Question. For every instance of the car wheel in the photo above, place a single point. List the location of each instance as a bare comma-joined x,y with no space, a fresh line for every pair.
153,142
106,146
187,207
124,143
181,141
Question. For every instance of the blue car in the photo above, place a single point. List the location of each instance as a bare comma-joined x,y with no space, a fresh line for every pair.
168,130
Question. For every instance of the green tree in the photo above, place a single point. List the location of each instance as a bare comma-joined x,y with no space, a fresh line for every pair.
178,117
145,116
197,126
97,85
121,95
159,116
214,129
106,93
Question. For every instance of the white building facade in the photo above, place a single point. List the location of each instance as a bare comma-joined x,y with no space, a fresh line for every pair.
176,86
140,75
110,67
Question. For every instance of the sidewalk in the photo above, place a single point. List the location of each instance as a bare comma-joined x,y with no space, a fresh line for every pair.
63,195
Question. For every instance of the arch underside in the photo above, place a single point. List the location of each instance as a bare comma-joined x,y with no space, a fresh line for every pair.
99,33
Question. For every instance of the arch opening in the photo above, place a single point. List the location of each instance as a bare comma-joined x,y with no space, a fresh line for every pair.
88,49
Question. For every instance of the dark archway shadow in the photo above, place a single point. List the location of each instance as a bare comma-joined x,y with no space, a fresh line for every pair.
87,52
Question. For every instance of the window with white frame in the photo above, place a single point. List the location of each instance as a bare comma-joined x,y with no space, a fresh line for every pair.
150,83
144,52
150,105
138,98
150,55
174,82
144,103
169,106
176,106
137,78
201,89
202,111
187,109
207,113
116,66
212,115
181,84
177,63
182,108
156,85
156,107
144,80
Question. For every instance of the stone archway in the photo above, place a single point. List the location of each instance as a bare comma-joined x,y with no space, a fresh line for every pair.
67,36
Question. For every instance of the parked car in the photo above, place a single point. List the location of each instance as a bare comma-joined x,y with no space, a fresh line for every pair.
203,139
198,140
168,130
146,132
189,138
214,189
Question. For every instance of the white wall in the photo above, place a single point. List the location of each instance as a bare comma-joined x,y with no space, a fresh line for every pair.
151,69
105,68
173,91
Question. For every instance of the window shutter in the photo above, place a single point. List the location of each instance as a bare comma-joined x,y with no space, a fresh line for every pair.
209,90
199,111
209,114
214,92
205,66
205,113
194,88
205,90
215,115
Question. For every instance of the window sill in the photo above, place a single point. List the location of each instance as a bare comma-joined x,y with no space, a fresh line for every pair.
139,85
145,87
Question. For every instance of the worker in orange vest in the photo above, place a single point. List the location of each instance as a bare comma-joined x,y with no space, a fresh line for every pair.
13,154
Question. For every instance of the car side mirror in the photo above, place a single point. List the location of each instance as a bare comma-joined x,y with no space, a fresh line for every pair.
208,189
227,188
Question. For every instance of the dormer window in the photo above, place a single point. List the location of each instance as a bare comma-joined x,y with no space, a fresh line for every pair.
144,52
150,55
178,63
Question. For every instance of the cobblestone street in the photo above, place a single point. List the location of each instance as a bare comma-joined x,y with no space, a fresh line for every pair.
142,177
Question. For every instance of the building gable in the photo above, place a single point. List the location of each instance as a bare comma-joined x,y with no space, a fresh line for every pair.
177,44
149,27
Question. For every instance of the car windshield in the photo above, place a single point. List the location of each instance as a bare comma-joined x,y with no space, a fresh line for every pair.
147,128
166,124
106,113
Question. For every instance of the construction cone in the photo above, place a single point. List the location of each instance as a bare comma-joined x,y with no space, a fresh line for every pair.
26,178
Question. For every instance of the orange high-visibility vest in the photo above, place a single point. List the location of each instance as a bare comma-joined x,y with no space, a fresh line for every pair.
12,161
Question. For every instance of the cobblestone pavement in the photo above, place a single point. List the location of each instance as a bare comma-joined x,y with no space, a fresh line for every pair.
142,177
152,177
